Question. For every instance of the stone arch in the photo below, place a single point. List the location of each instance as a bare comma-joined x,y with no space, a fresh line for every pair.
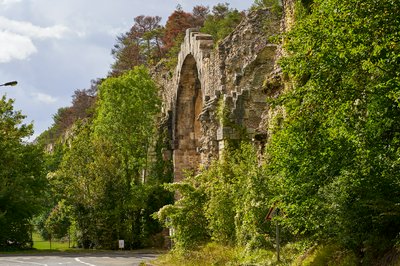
187,127
233,76
188,103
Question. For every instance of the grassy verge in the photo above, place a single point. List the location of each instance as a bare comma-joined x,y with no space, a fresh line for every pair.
295,254
41,244
327,255
214,254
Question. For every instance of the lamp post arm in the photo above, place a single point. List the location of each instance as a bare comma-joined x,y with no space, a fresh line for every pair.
11,83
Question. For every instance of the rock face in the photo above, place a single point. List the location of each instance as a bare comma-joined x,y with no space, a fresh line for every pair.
218,91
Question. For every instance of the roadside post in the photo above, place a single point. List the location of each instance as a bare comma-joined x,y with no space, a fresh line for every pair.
273,211
278,245
121,244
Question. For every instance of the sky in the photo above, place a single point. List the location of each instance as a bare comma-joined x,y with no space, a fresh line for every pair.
54,47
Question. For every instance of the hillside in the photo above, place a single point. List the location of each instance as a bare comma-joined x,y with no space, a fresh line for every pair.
234,136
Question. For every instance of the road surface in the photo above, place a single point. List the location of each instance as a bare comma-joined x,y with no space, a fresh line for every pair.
120,258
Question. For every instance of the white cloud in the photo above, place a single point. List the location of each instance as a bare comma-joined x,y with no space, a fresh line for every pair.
17,37
7,3
14,46
32,31
44,98
54,47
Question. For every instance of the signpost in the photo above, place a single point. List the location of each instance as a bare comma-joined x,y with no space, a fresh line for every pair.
278,245
273,211
121,244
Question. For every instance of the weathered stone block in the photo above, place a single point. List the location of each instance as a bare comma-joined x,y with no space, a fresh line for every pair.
233,73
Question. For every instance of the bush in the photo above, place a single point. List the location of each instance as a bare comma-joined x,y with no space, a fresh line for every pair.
185,217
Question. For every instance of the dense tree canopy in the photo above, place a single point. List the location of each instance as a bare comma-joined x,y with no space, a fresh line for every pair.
106,182
22,179
334,158
99,147
331,164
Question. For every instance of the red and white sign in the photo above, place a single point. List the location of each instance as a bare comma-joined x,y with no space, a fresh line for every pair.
273,211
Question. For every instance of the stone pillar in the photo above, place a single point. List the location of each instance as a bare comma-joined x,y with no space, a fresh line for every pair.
187,128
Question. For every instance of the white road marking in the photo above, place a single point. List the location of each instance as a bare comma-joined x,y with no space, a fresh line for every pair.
88,264
24,262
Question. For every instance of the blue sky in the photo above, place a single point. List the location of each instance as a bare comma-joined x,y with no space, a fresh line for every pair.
53,47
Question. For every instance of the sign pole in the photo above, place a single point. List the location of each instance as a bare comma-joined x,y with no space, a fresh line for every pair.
277,242
273,211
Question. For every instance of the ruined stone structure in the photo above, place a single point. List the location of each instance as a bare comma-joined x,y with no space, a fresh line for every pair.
218,91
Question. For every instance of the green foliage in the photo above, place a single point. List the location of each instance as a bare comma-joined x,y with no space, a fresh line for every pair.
274,5
160,171
333,160
221,22
185,217
54,141
296,254
109,182
74,180
171,59
330,255
210,254
217,254
126,112
22,180
82,108
228,201
43,244
58,221
220,206
239,181
223,113
272,20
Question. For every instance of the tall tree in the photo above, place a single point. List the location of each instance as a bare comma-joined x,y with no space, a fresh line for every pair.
102,171
176,26
22,180
148,30
221,21
335,156
200,14
83,103
141,45
126,115
126,53
125,122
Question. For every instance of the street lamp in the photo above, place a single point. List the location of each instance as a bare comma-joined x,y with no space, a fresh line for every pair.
11,83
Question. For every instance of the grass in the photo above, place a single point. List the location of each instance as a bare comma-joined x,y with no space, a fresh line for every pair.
214,254
41,244
327,255
294,254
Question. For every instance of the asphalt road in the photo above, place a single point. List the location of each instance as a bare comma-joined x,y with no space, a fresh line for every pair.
119,258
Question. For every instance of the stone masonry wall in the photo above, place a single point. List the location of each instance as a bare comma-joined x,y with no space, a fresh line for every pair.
218,91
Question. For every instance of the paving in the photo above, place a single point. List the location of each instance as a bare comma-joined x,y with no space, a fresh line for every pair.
106,258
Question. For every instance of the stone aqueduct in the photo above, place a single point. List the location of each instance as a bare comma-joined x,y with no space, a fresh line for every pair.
218,92
188,99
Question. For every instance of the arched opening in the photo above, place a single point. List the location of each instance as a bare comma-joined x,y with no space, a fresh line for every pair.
187,127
